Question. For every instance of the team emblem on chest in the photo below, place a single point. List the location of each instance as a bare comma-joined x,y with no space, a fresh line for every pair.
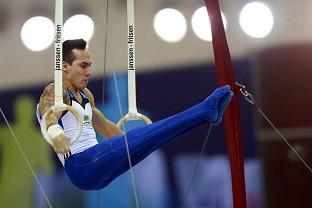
86,119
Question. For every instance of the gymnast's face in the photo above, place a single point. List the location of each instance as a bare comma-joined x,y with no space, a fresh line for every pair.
77,74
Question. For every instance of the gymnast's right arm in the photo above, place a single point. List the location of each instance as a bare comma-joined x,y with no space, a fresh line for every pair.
60,142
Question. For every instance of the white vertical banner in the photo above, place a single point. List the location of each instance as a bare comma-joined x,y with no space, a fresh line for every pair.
131,58
58,47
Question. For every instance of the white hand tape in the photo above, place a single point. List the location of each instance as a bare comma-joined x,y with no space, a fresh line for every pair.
54,131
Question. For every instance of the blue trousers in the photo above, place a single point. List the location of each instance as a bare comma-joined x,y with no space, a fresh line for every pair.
99,165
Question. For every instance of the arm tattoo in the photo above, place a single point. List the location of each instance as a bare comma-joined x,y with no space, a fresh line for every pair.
47,101
47,98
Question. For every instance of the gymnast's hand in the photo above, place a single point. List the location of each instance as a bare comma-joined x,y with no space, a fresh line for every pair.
61,144
216,104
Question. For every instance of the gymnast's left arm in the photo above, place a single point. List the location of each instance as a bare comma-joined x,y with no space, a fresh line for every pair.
102,125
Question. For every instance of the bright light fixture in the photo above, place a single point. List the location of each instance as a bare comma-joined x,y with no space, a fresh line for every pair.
256,20
170,25
78,26
37,33
201,24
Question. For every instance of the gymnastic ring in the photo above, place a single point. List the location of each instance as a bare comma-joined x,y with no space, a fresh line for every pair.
59,108
133,116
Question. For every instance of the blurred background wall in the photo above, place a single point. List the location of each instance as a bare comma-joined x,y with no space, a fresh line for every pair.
171,76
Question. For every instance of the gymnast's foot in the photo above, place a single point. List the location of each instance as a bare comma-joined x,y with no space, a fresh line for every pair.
215,105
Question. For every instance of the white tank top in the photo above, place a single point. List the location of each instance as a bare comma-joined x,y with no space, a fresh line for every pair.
87,138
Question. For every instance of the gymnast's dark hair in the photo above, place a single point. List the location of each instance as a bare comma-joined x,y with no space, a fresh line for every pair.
69,45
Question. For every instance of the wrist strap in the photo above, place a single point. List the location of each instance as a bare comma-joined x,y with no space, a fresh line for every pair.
54,131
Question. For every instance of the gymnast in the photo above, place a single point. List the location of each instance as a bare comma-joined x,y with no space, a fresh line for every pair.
91,165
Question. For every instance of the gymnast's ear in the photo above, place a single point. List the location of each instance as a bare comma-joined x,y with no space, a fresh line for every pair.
65,66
